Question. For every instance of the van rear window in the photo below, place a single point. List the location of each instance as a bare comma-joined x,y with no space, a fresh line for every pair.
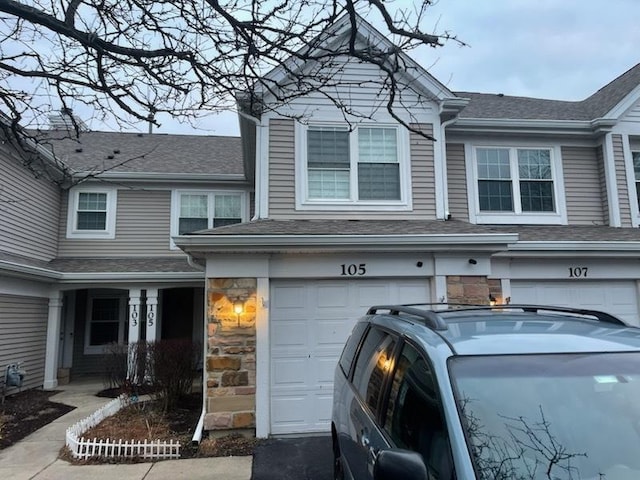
351,347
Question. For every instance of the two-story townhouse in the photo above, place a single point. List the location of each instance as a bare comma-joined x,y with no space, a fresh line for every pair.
514,200
106,268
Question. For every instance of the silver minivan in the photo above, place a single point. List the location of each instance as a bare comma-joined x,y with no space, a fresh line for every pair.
488,393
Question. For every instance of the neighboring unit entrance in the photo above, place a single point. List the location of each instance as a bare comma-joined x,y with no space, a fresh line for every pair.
618,297
309,322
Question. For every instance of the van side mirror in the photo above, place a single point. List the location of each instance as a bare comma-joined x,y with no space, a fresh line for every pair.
395,464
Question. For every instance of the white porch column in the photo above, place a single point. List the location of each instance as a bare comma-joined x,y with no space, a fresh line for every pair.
134,315
134,331
152,315
53,341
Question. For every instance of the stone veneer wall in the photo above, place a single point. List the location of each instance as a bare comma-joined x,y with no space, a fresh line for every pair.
231,354
473,289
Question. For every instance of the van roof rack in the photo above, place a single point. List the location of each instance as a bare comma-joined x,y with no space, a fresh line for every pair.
431,319
435,320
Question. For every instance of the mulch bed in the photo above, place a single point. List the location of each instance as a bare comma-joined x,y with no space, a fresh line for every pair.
25,412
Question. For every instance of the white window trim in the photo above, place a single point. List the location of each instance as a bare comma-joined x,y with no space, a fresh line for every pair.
559,217
632,185
351,204
72,214
100,349
175,207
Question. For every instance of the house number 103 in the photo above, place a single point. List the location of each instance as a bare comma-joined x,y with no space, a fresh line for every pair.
352,270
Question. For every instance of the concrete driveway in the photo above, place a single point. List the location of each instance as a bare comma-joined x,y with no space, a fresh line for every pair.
302,458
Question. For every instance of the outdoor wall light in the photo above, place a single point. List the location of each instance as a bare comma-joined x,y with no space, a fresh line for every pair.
492,300
473,261
238,308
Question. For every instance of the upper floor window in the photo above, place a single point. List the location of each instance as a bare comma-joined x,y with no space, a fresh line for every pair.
200,210
92,213
342,168
636,170
516,185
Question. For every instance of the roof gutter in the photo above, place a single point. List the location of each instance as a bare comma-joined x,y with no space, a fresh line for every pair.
274,243
156,177
522,248
29,270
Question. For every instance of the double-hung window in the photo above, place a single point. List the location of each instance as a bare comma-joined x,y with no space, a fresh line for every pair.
106,322
513,181
636,171
91,213
363,166
200,210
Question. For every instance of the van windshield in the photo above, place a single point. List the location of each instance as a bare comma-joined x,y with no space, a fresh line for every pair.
551,417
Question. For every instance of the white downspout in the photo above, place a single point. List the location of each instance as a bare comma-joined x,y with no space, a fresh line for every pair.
443,157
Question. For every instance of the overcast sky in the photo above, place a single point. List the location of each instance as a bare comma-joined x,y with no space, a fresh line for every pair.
558,49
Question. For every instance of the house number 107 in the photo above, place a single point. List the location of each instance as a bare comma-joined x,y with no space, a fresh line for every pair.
578,272
352,269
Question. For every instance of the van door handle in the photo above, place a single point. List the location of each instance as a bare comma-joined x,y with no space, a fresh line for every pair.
364,440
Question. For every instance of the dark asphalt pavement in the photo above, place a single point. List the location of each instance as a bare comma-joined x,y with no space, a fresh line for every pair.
303,458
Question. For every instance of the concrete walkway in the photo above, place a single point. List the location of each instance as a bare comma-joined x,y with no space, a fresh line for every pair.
36,456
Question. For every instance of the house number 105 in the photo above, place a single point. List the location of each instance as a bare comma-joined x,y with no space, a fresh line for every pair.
352,269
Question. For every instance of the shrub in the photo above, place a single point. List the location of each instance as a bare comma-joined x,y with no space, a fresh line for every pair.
125,366
172,365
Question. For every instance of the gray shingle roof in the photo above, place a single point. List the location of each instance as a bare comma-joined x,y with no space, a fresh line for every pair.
559,233
151,153
498,106
122,265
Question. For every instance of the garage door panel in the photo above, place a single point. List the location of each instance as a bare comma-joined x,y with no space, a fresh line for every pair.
331,296
290,333
617,297
289,371
303,366
332,332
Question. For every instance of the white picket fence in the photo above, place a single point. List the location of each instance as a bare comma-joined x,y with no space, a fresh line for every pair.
84,448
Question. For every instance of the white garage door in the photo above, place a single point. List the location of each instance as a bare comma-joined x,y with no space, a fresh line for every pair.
616,297
310,321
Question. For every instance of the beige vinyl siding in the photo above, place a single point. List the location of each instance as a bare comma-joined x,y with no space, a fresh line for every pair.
281,168
621,181
423,185
361,86
142,228
633,115
282,178
457,182
23,337
29,210
582,186
603,184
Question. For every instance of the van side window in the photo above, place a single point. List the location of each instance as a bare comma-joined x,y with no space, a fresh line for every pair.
414,418
373,362
346,359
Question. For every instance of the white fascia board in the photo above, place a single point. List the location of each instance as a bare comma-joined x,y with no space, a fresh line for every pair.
156,177
257,243
565,246
498,124
29,270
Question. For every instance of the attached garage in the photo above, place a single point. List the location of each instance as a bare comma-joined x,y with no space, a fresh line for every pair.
309,322
618,297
